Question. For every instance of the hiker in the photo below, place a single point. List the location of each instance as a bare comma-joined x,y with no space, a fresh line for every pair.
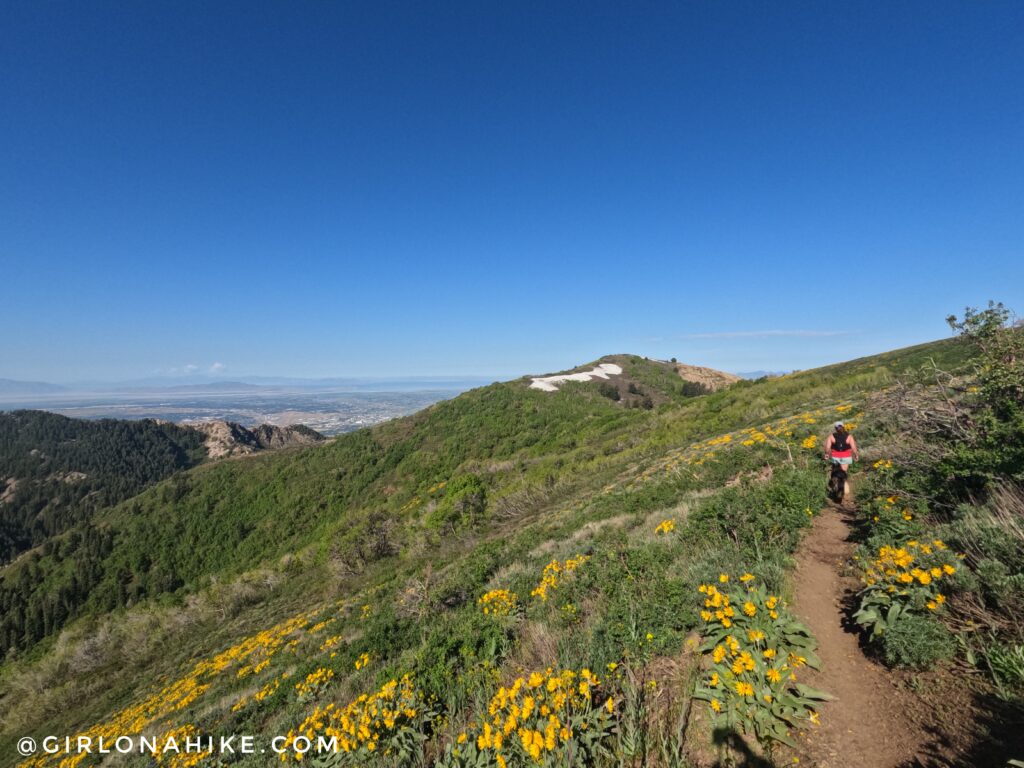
840,451
840,447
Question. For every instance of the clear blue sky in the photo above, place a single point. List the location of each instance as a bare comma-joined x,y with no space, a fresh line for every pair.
316,189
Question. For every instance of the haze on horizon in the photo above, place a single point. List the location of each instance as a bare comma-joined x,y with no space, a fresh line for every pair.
400,190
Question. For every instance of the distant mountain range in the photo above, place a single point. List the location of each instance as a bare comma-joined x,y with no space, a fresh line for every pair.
760,374
15,391
14,387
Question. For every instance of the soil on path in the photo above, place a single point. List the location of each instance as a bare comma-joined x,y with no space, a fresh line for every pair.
867,725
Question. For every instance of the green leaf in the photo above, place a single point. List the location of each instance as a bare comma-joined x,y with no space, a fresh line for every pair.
866,616
779,734
811,693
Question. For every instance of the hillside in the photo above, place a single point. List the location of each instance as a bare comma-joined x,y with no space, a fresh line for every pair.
57,474
55,471
637,382
564,539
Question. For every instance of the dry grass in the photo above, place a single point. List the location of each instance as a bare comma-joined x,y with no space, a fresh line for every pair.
537,649
507,574
679,512
589,530
1002,516
657,710
414,599
582,534
86,656
1004,512
1007,511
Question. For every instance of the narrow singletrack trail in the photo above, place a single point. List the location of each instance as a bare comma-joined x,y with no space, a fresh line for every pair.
867,725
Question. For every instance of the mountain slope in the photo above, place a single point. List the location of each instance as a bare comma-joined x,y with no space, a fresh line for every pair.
374,484
57,474
55,471
391,535
227,517
640,381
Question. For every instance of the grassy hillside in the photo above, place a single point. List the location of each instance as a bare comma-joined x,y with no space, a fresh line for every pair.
560,537
375,493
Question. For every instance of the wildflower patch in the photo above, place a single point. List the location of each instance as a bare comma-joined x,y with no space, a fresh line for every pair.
754,648
553,573
389,723
905,580
545,718
498,602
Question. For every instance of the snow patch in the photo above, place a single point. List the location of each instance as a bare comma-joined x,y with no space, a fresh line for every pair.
603,371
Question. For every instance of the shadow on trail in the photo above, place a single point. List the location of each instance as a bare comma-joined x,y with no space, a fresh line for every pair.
997,736
849,600
742,756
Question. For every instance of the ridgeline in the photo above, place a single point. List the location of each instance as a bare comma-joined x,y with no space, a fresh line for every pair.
595,575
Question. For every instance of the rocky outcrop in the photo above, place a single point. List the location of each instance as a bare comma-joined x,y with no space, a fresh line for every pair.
8,485
226,438
706,377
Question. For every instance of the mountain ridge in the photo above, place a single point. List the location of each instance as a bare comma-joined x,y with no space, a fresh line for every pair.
393,536
228,438
18,387
369,470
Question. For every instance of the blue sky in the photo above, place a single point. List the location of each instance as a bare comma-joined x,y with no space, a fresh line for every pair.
330,189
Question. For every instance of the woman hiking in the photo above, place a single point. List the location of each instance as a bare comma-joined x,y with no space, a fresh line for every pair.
841,450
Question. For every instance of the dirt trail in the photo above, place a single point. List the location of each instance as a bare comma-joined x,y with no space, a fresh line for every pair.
867,725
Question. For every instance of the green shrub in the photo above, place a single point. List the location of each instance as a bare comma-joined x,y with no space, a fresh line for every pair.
1006,663
463,505
609,390
917,642
693,389
759,517
994,447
